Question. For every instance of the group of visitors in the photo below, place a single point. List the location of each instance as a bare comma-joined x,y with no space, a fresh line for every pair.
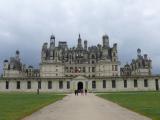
81,91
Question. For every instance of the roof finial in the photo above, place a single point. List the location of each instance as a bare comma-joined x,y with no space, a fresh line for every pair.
52,36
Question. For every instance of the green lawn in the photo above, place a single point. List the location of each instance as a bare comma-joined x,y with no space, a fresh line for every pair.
146,103
14,106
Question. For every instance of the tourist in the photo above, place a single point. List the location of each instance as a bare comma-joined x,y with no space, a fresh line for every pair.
75,92
85,91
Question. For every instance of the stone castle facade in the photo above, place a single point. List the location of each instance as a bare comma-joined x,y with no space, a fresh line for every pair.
99,60
96,68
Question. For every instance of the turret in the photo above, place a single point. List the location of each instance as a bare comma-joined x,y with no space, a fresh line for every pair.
85,44
105,40
52,41
44,51
5,65
115,46
138,52
105,46
17,55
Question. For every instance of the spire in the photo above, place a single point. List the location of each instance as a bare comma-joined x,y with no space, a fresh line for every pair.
52,36
79,36
79,42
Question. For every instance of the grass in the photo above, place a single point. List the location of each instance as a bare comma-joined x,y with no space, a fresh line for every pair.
14,106
146,103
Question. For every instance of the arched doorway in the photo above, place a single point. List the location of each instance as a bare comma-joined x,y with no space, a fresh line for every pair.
80,85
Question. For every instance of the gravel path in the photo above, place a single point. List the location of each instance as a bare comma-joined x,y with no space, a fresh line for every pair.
88,107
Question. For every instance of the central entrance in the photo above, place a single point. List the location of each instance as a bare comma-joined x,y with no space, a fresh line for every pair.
80,85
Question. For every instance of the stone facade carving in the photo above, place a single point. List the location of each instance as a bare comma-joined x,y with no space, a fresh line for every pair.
99,60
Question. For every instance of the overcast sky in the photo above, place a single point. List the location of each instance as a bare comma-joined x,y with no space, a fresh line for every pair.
26,24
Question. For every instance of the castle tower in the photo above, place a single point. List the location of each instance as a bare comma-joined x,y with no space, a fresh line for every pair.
17,55
5,65
52,46
138,52
105,40
44,51
79,42
105,46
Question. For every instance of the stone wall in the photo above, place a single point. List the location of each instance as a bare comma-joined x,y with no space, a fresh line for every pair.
122,84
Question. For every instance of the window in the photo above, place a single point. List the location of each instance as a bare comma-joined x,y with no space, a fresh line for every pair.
60,84
18,85
145,83
84,69
92,61
104,83
68,84
116,68
76,69
71,69
49,84
94,84
28,84
39,84
125,83
113,84
112,67
93,57
93,69
135,83
7,85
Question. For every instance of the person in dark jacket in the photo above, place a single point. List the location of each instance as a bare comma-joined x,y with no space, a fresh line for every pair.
85,91
75,92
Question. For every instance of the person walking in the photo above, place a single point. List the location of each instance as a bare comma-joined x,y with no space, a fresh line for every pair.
85,91
75,92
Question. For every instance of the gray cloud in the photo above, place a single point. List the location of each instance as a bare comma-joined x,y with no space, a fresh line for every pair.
26,24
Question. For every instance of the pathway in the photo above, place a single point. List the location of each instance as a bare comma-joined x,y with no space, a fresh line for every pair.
88,107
